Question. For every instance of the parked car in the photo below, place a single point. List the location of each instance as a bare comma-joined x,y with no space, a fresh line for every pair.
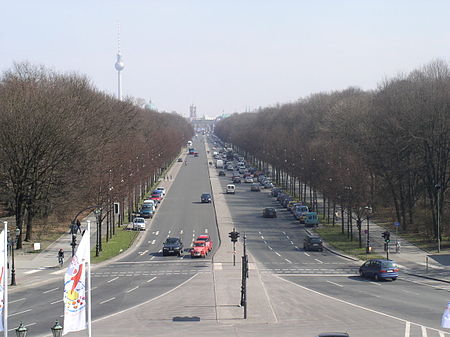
248,179
139,224
269,212
313,242
310,219
255,187
162,189
268,185
275,191
199,249
221,173
195,154
173,246
379,269
205,198
180,160
207,240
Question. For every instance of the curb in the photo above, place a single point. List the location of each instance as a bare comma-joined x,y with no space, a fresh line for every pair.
428,277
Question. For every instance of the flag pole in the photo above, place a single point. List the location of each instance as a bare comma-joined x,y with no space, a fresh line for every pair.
5,279
89,303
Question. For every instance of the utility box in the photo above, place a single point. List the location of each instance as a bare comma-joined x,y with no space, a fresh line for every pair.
37,246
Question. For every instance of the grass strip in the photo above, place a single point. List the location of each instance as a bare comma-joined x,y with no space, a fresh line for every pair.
121,241
334,237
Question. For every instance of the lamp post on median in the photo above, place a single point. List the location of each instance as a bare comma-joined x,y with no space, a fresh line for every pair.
369,211
438,197
21,330
97,212
57,330
13,238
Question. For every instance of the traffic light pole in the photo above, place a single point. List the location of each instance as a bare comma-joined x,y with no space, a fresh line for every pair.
234,254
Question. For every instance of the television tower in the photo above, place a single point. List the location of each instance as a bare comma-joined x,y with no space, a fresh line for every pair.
119,66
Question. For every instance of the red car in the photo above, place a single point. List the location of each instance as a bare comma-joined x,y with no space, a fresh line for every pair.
199,249
156,197
207,240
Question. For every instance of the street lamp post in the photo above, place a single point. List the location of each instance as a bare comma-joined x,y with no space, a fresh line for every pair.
13,267
368,210
21,330
57,330
438,188
97,244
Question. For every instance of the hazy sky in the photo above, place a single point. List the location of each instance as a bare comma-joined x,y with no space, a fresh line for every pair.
229,55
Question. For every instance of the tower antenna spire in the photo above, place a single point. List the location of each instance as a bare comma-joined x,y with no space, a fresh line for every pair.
119,65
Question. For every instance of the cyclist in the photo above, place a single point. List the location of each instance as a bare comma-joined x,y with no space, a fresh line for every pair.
61,257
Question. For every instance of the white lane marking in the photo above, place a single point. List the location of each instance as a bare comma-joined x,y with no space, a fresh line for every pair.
296,247
56,302
284,233
157,232
307,254
26,325
281,277
259,233
424,332
132,289
277,253
218,266
49,291
152,257
407,329
262,237
193,235
20,299
206,230
265,242
32,271
168,235
112,280
144,252
148,281
150,300
18,313
336,284
181,232
153,242
375,283
288,260
58,272
270,247
441,334
287,237
93,288
319,261
169,231
292,242
105,301
160,251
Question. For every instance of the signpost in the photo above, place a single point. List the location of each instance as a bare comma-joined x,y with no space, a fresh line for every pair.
397,242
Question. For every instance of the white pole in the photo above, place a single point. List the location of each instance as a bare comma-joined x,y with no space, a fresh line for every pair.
5,280
89,303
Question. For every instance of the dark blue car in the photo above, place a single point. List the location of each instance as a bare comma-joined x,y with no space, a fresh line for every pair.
379,269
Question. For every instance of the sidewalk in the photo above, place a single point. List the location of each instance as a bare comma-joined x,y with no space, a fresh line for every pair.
36,268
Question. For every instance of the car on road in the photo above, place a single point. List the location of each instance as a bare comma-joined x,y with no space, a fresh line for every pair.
221,173
236,180
195,154
199,249
248,180
379,269
313,242
156,197
231,189
275,191
268,185
180,160
173,246
255,187
205,198
269,212
139,224
207,240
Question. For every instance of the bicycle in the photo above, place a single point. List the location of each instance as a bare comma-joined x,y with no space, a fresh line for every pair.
60,261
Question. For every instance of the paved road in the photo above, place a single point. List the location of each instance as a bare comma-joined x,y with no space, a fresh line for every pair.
145,274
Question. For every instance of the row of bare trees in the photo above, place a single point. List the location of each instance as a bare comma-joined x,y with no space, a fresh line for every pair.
64,146
387,148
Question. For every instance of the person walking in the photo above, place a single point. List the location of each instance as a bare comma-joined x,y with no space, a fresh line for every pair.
60,257
78,226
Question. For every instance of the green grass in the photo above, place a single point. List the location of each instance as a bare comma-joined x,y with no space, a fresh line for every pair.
334,237
121,241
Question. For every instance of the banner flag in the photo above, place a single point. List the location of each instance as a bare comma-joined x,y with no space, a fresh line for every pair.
75,288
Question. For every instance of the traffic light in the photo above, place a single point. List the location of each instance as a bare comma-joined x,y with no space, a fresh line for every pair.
234,236
387,236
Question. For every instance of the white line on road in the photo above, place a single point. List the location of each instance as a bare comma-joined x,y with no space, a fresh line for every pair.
144,252
160,251
181,232
277,253
112,280
153,242
307,254
20,299
270,247
287,237
296,247
169,231
49,291
152,257
105,301
56,302
292,242
26,325
132,289
259,233
284,233
265,242
288,260
407,329
441,334
336,284
148,281
193,235
262,237
375,283
157,232
18,313
206,230
32,271
319,261
424,332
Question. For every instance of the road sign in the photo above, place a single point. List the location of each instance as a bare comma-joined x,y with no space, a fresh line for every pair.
397,224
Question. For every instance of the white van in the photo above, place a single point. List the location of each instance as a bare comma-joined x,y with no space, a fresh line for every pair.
231,188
